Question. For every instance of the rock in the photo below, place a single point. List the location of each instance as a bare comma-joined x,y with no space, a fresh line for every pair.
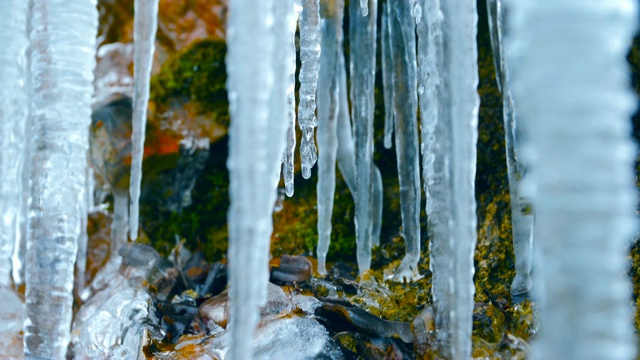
292,269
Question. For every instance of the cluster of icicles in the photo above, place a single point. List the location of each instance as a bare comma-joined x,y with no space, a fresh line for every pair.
568,84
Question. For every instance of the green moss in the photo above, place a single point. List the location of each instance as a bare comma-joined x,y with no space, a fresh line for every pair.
197,73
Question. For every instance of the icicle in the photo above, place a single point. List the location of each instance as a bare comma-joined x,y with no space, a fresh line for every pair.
83,239
288,156
387,76
254,155
62,63
403,45
364,6
362,40
449,107
328,108
521,209
13,117
310,59
144,34
571,86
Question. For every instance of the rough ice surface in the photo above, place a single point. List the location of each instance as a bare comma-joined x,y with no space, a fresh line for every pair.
328,109
83,239
449,104
145,25
403,45
387,75
579,158
255,153
288,157
521,209
14,111
310,58
362,46
11,321
62,63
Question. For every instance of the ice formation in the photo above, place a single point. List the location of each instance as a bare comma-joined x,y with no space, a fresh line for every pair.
449,107
571,87
310,58
255,153
402,42
521,209
62,63
387,75
144,34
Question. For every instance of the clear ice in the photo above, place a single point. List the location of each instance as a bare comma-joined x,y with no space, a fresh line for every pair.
144,34
449,106
255,154
403,48
521,209
310,59
387,75
571,86
328,110
62,62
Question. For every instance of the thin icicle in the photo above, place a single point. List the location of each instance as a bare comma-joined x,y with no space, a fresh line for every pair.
362,40
403,45
254,156
62,63
387,76
288,156
308,77
13,117
328,109
364,7
522,217
83,239
144,34
571,87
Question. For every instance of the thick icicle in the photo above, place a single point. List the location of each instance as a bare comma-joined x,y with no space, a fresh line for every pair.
449,107
328,108
62,62
521,209
310,59
288,156
255,153
144,34
362,40
571,86
14,110
403,45
387,76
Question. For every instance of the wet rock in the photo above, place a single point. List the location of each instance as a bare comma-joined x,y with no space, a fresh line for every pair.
213,314
382,349
277,301
292,269
215,281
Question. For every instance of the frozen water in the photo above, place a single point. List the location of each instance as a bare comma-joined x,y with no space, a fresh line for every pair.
14,110
11,320
310,58
580,174
62,63
387,75
403,44
290,51
144,34
362,47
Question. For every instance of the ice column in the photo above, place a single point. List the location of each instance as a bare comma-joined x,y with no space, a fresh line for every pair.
521,210
144,34
571,84
288,156
402,29
62,63
387,75
362,41
328,107
449,106
254,157
310,59
14,110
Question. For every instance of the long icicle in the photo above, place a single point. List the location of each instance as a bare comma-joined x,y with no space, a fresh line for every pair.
310,59
62,62
144,34
522,217
362,40
13,117
288,157
403,45
387,75
571,86
328,110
